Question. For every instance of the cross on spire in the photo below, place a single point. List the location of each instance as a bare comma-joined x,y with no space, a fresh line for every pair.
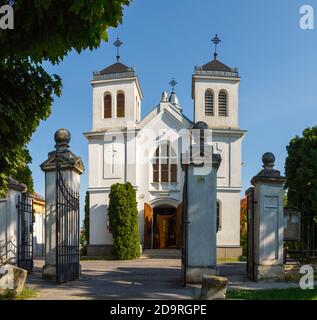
118,44
216,41
173,83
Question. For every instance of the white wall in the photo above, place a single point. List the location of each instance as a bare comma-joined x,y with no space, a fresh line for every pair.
229,235
9,226
98,232
39,235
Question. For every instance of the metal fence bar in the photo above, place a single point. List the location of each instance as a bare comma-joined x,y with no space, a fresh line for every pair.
25,232
68,221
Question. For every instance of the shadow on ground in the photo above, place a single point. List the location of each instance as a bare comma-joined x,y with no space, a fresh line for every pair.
139,279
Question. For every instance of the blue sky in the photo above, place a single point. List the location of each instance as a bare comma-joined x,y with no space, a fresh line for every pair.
167,38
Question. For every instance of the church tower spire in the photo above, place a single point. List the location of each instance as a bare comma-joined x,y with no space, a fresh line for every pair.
216,40
118,44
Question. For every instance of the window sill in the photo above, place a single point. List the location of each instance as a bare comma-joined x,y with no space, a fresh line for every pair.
164,186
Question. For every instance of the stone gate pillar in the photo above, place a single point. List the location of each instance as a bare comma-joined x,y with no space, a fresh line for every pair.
201,210
71,167
268,221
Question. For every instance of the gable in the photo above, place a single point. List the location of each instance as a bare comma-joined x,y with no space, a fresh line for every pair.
165,116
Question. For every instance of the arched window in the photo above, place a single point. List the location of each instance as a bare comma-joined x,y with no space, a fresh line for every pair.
223,103
209,103
107,105
120,105
165,164
219,217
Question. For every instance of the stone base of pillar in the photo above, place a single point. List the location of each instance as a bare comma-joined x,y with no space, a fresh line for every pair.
270,273
195,274
49,272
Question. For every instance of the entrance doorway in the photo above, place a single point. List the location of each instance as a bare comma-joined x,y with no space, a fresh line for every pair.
164,227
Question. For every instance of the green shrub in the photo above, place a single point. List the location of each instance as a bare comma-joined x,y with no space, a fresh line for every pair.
123,222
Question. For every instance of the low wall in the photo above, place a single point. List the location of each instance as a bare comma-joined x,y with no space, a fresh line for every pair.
229,252
99,250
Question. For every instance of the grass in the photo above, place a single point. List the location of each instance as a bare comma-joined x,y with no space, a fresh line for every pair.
228,260
224,260
12,295
273,294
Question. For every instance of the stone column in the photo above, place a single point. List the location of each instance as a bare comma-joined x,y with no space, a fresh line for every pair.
268,221
71,168
201,211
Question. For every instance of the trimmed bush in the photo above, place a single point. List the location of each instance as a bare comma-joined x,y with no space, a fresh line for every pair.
123,222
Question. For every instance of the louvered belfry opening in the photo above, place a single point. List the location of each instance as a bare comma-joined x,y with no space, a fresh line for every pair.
107,105
209,103
222,104
120,105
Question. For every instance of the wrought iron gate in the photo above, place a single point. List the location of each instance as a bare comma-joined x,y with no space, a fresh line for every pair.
25,232
67,232
250,226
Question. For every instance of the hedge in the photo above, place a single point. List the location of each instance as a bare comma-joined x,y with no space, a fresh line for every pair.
123,222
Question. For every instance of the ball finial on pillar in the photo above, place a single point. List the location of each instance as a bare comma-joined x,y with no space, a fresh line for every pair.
268,160
62,138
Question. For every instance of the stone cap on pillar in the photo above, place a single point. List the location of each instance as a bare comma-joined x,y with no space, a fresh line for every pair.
268,174
66,159
14,184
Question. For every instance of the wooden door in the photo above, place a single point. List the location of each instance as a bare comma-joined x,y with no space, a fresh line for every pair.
148,221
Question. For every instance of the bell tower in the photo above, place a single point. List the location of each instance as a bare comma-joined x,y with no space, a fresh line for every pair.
117,96
215,93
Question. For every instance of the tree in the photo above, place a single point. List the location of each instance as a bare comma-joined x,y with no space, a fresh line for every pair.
48,29
25,99
123,221
301,171
45,30
301,182
24,174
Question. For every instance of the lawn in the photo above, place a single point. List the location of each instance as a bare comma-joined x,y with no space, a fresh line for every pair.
273,294
11,295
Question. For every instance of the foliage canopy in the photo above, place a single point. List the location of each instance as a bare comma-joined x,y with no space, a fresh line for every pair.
44,30
301,171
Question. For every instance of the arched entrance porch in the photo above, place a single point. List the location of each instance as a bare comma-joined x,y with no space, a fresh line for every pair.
163,222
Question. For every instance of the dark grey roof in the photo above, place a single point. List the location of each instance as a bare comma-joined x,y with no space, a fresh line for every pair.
117,67
216,65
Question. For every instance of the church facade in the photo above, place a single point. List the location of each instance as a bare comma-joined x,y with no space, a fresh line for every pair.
124,147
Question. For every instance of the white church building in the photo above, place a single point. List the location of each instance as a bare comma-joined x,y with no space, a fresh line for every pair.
124,147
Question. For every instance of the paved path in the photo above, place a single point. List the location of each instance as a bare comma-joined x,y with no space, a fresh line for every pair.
137,279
